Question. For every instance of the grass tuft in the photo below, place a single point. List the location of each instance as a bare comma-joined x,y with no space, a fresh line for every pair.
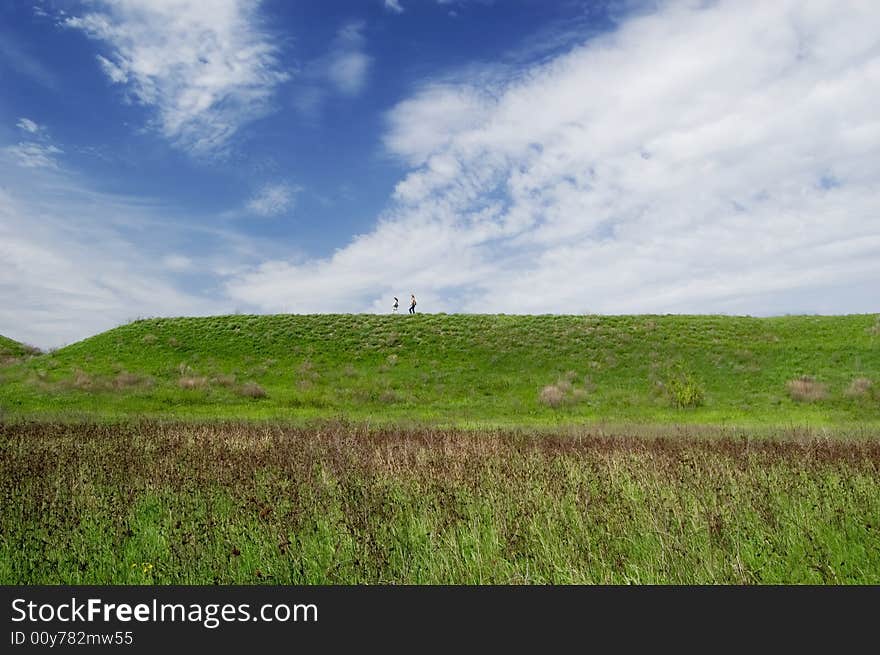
806,389
252,390
859,388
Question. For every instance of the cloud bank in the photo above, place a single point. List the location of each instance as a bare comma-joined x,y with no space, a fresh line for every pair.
700,158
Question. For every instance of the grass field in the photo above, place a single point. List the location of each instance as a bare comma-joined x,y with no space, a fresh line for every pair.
244,503
445,449
465,370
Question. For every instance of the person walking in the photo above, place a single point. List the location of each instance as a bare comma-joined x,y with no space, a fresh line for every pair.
412,304
394,308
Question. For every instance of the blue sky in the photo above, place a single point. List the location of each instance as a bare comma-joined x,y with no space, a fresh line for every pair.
176,157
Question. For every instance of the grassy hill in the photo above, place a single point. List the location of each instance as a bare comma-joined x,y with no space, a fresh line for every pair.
465,370
10,349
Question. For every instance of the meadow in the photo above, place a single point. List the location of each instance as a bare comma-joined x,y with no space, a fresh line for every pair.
226,503
360,449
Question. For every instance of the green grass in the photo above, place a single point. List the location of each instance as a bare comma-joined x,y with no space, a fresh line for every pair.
13,350
171,503
461,370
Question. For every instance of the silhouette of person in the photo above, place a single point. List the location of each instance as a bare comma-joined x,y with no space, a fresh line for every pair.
394,308
412,304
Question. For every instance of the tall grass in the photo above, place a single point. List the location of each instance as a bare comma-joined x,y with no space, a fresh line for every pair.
262,503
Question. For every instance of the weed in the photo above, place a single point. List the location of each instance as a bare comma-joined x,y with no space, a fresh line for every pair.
252,390
552,396
806,389
859,388
192,382
683,389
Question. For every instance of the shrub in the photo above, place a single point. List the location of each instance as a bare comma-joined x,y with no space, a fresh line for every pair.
223,380
552,396
252,390
859,388
683,389
806,389
82,380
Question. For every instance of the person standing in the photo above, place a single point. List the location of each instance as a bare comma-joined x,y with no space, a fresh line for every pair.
412,304
394,308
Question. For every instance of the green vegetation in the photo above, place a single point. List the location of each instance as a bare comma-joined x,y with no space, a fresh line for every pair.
254,503
11,351
465,370
445,449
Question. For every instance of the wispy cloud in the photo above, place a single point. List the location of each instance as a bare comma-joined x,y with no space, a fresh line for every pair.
677,164
347,65
38,151
29,126
177,263
75,261
20,59
35,155
343,70
206,68
393,5
273,199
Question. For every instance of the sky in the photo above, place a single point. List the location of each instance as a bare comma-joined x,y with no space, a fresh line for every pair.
181,157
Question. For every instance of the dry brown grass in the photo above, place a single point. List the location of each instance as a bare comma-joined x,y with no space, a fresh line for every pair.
126,380
149,339
252,390
580,395
806,389
192,382
389,396
223,380
81,380
552,396
859,388
564,391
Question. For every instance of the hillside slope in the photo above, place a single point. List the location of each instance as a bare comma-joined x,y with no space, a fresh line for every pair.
466,369
10,349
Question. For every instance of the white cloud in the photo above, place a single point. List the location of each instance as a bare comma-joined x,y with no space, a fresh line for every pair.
35,155
273,199
38,152
74,261
393,5
67,277
347,65
206,68
116,74
344,70
177,263
702,158
29,126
